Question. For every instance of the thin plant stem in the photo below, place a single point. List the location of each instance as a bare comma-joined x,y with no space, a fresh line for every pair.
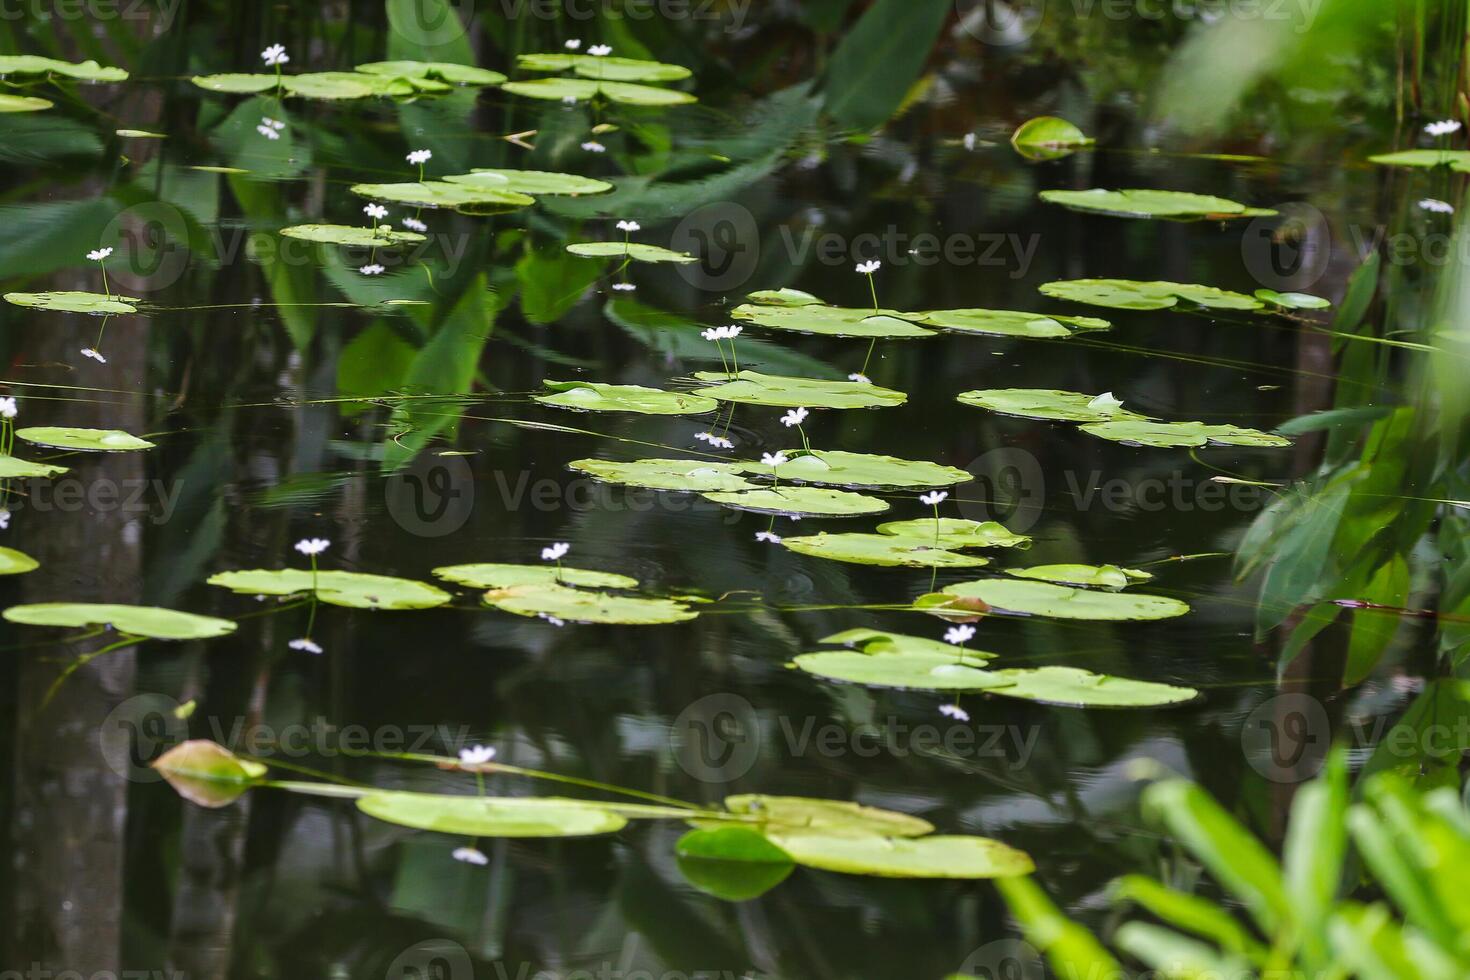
871,344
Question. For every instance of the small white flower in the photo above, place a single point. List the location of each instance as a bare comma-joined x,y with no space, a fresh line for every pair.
794,417
568,100
305,644
1437,206
860,378
624,287
313,546
969,141
959,634
477,755
712,333
592,146
934,498
732,332
371,270
4,519
1443,128
599,50
420,156
768,536
555,552
470,855
98,254
267,132
719,442
273,123
375,211
414,224
553,620
275,55
7,407
629,226
869,267
773,459
573,44
94,355
954,711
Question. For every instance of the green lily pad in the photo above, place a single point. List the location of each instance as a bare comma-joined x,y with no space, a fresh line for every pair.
445,71
442,194
383,236
1149,203
23,469
492,816
1128,294
735,864
533,182
754,388
355,590
583,90
236,83
1062,602
801,814
1181,434
881,549
581,606
592,396
613,69
330,85
23,103
946,670
84,440
1084,689
784,296
666,474
632,250
14,562
1293,301
1458,160
938,856
1011,323
85,71
206,773
74,301
952,532
1048,138
830,321
149,621
1104,576
801,502
1049,404
844,469
487,575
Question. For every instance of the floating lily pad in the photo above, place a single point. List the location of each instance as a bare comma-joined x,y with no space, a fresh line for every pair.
632,250
149,621
1182,434
938,856
881,549
583,90
84,440
85,71
798,814
1011,323
206,773
952,532
1062,602
23,469
1293,301
785,296
74,301
23,103
801,502
1104,576
442,194
141,134
754,388
1149,203
236,83
446,71
915,671
831,321
592,396
666,474
1084,689
488,575
882,641
492,816
581,606
355,590
1048,138
614,69
14,562
1049,404
735,864
331,85
1128,294
533,182
382,236
844,469
1458,160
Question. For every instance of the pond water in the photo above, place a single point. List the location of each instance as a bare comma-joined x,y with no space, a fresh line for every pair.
288,399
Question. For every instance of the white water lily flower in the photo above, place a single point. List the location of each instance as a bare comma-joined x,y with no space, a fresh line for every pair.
313,546
1105,402
719,442
98,254
553,620
477,755
568,100
934,498
268,132
414,224
4,519
420,156
1437,206
959,634
773,459
275,55
305,644
732,332
1443,128
376,211
7,408
372,269
573,44
794,417
599,50
768,536
555,552
969,141
954,711
860,378
273,123
592,146
869,267
470,855
624,287
94,355
629,226
711,333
